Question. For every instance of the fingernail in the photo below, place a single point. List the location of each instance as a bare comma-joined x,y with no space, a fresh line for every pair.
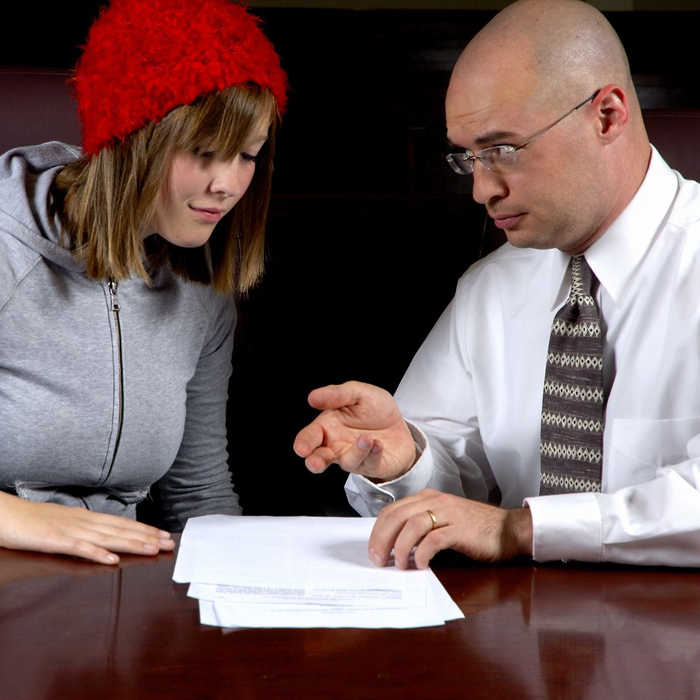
112,558
364,443
150,547
165,542
375,558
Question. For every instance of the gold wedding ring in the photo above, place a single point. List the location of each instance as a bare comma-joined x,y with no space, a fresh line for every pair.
432,518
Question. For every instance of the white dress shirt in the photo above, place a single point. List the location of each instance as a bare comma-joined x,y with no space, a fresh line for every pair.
473,393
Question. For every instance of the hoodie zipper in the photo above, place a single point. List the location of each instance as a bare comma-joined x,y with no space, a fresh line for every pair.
112,287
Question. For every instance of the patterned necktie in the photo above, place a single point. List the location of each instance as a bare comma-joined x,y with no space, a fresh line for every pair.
571,447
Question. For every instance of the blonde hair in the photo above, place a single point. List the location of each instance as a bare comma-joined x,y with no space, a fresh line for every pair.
105,200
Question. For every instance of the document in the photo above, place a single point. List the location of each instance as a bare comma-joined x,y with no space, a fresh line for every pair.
301,572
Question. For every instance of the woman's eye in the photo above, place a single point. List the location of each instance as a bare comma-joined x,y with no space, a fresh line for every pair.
202,153
250,158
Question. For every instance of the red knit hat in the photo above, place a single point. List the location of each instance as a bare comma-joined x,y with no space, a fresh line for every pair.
143,58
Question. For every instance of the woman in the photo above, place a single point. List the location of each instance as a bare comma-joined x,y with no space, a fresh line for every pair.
117,269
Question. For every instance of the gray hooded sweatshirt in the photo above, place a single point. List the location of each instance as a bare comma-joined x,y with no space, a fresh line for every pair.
104,391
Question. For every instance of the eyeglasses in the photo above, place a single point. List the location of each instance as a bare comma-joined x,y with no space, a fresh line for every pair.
498,156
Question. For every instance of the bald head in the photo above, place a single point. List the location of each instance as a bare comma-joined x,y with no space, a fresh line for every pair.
565,49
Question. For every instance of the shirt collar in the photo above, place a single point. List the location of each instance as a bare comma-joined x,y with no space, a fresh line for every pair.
617,254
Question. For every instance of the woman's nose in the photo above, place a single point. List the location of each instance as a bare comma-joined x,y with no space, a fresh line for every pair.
227,178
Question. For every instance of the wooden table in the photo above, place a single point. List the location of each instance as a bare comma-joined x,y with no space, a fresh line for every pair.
70,629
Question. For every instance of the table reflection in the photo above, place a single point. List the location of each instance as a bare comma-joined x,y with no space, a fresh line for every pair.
571,631
73,629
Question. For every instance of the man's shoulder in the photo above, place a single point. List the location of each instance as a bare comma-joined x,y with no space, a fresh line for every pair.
506,261
685,213
508,273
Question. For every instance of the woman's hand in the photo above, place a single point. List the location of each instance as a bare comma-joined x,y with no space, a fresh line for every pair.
361,429
56,529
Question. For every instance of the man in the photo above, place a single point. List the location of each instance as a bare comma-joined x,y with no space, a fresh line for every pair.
542,109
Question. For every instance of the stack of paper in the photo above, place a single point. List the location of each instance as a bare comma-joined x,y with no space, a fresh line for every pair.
301,572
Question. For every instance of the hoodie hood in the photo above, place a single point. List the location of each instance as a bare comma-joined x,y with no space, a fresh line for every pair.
26,176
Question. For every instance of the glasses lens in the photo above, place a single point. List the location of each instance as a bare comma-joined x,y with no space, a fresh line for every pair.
460,163
497,156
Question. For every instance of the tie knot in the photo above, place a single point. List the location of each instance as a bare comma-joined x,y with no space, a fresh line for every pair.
581,277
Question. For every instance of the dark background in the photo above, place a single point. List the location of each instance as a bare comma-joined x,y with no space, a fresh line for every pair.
369,228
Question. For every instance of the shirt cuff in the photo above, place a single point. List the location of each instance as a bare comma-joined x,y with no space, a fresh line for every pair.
375,496
566,526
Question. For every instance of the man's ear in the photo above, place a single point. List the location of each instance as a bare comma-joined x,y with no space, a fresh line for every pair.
612,111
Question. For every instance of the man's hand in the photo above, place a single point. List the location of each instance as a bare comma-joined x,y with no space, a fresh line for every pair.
56,529
480,531
361,429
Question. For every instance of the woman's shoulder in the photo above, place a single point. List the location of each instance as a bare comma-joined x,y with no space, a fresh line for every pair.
220,307
16,262
192,299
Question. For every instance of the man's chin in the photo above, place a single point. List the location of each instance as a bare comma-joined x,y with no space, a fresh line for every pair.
520,238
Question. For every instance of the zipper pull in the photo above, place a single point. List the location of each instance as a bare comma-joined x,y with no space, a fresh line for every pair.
112,286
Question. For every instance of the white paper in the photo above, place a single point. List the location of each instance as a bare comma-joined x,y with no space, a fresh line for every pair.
301,572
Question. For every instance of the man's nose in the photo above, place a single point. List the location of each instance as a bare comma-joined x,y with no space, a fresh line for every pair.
488,184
